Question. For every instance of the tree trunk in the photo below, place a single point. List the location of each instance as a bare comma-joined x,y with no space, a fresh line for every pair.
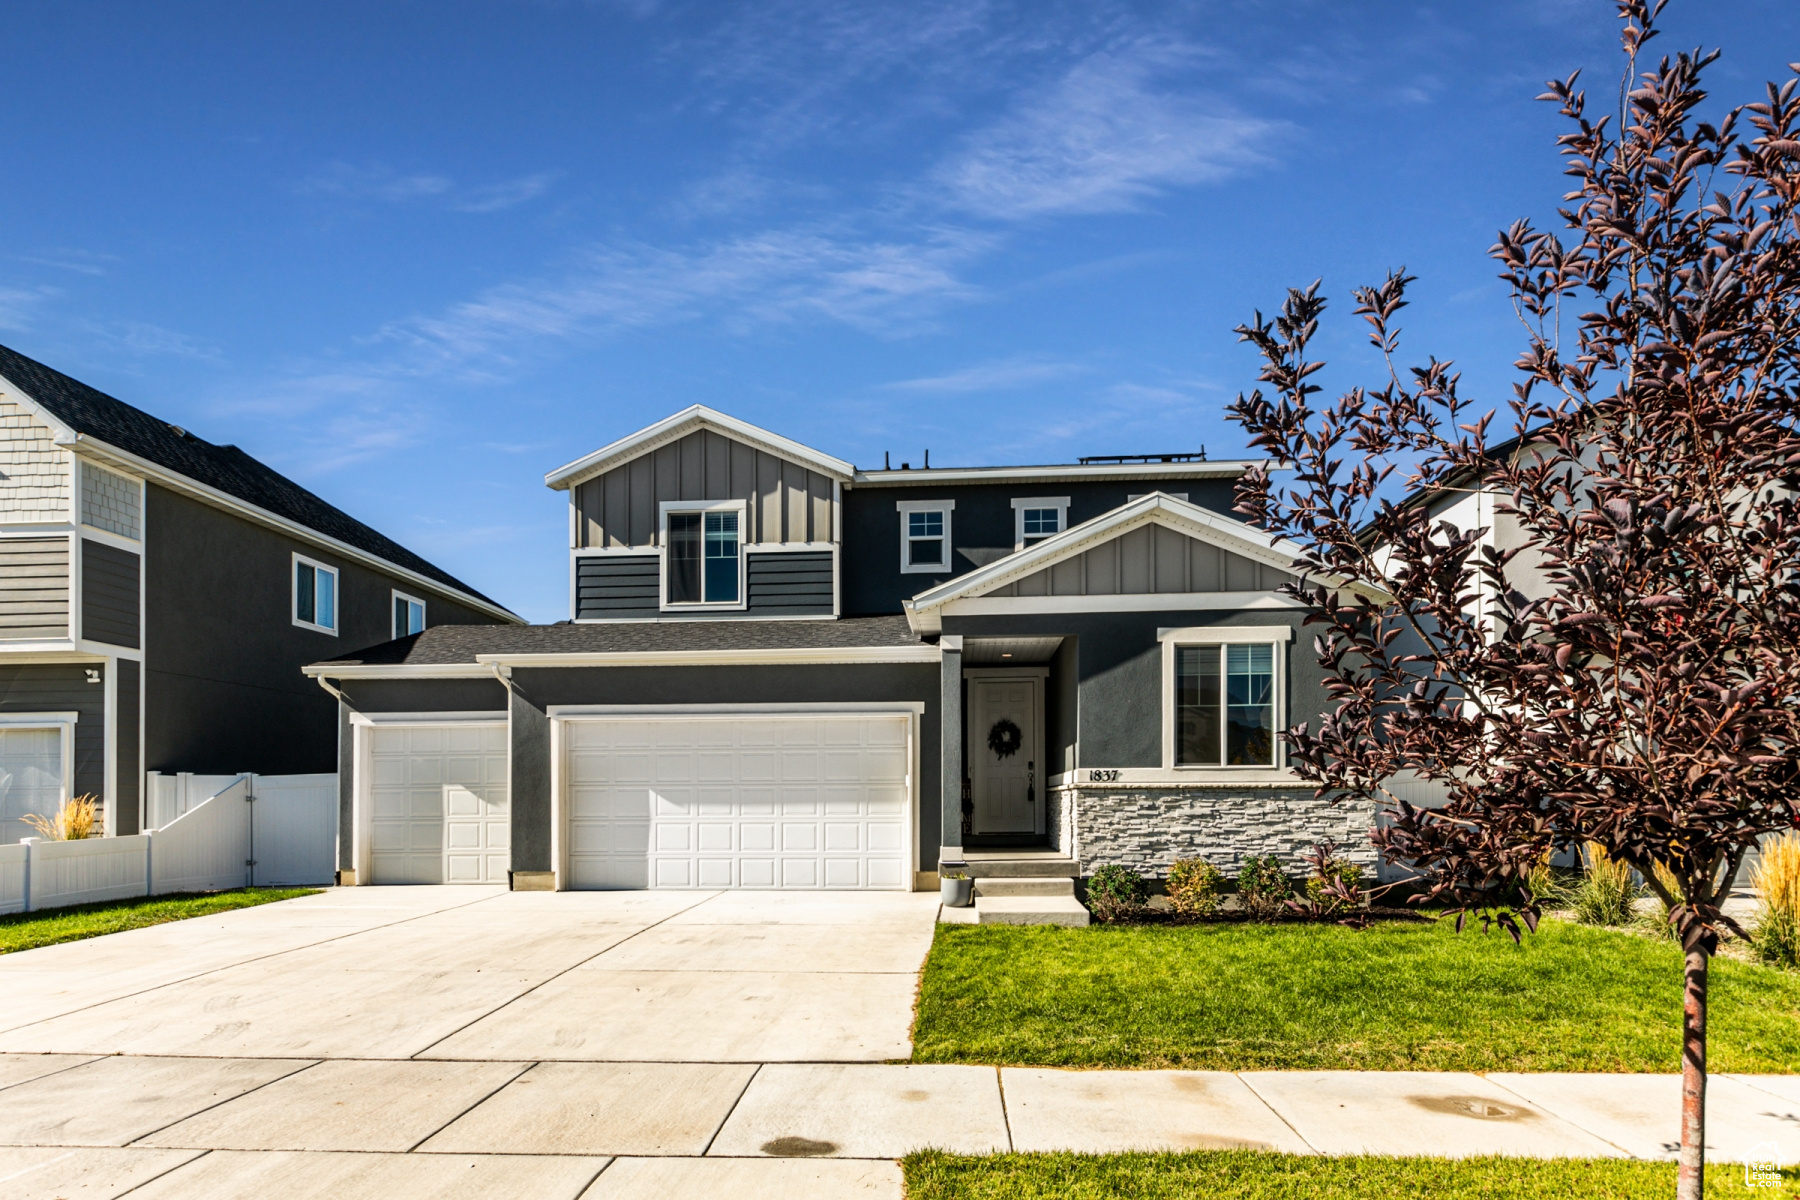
1691,1180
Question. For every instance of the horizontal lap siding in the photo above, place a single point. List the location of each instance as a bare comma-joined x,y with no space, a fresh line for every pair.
615,586
109,594
789,584
784,501
34,588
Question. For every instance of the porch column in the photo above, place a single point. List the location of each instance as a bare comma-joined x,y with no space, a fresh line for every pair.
950,738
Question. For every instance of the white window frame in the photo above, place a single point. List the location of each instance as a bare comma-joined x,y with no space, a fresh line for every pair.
1020,504
337,595
906,508
667,507
1278,636
424,612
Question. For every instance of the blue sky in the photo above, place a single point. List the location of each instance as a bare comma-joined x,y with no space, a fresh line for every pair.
416,254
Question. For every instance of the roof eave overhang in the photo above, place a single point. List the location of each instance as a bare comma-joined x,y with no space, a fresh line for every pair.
174,480
327,670
938,476
679,425
801,655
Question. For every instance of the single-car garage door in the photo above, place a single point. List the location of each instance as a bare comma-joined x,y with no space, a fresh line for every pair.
437,803
729,801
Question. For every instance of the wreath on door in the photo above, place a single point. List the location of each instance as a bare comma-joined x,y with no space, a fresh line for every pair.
1004,739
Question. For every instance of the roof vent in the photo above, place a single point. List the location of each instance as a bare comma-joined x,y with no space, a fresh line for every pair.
1186,456
179,431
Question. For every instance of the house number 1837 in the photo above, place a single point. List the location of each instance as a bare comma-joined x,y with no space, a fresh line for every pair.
1103,776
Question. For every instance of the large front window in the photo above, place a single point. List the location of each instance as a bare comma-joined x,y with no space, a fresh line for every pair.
703,557
1225,705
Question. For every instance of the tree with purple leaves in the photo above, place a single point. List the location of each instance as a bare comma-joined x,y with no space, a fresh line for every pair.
1611,656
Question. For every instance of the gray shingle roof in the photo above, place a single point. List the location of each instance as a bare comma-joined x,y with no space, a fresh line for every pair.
447,644
92,412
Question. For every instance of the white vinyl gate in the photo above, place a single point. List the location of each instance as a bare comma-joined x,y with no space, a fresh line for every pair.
438,803
736,801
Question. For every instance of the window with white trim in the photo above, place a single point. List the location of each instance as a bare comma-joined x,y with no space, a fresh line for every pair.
925,536
315,595
1038,517
409,615
703,555
1223,696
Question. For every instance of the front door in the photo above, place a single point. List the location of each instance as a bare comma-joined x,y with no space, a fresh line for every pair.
1005,752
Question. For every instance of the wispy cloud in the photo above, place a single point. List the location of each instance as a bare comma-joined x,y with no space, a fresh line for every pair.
82,262
1106,137
383,183
17,305
990,377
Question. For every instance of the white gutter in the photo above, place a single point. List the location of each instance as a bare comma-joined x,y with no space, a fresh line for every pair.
218,499
324,671
789,656
934,476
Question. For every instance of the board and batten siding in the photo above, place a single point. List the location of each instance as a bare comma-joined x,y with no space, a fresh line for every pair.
109,594
785,502
34,588
792,584
616,587
1148,560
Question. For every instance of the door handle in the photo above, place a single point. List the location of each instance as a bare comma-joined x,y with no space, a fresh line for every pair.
1030,783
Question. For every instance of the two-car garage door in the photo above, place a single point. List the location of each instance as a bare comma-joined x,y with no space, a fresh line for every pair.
735,801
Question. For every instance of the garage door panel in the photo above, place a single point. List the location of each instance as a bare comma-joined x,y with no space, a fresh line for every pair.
783,802
438,804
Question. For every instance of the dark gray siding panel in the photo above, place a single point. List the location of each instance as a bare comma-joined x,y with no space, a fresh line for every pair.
528,783
425,695
796,584
64,687
616,586
109,594
128,773
34,587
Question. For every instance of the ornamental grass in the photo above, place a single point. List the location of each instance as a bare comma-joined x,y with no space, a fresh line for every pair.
72,822
1776,879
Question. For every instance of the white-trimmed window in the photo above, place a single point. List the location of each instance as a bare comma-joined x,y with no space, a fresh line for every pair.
925,536
703,554
1224,696
1038,517
315,594
409,615
37,765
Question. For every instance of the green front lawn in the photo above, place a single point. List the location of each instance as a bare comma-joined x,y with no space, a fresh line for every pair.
1399,996
1250,1175
24,931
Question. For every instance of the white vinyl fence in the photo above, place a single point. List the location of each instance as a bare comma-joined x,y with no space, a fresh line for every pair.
253,830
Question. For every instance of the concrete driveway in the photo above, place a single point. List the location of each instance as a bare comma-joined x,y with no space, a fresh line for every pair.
446,1042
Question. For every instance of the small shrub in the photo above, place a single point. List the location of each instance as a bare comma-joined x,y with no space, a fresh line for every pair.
1606,891
1116,892
1194,886
1263,887
1777,882
71,823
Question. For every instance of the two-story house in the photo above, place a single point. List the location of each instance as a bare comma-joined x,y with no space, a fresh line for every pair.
159,595
782,671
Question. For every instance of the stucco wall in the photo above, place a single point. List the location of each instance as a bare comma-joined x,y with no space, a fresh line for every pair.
1147,828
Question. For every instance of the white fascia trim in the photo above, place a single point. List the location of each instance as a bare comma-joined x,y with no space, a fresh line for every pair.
397,671
107,537
986,606
43,720
428,718
51,649
615,552
1156,508
176,481
945,475
679,425
719,658
564,712
22,653
105,650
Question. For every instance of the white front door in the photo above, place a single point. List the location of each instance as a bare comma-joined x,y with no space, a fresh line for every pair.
425,781
1004,754
737,801
31,779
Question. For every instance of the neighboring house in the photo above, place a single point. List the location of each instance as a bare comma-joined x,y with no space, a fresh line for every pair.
159,596
782,671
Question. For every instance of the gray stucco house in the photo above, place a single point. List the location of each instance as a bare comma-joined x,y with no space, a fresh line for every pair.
783,671
159,595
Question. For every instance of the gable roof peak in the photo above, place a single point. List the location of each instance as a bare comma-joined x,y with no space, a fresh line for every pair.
679,425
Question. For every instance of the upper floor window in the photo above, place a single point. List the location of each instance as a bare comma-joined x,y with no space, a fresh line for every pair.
315,595
925,535
409,615
1038,517
1223,696
703,556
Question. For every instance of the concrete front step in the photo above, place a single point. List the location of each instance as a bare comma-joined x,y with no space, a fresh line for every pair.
1058,886
1029,910
1017,865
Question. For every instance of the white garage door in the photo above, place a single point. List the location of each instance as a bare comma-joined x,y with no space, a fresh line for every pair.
31,779
438,810
738,802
